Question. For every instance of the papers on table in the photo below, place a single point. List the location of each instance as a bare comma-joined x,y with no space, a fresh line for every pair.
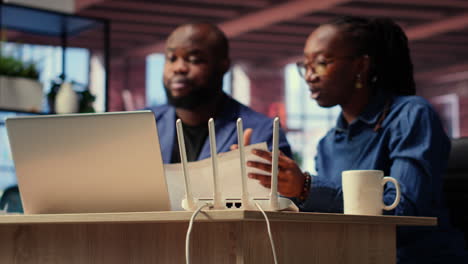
201,177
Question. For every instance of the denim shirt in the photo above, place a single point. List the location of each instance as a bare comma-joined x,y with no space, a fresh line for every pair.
225,127
412,147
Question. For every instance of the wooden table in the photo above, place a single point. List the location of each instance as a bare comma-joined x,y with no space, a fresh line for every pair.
235,236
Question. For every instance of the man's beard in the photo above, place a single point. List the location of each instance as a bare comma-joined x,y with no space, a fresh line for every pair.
198,95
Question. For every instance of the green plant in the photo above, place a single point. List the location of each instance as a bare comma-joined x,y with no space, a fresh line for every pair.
12,67
86,102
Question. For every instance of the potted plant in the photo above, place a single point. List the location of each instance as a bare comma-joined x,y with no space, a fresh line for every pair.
19,85
67,97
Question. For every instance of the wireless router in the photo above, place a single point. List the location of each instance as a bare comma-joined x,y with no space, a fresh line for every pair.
273,203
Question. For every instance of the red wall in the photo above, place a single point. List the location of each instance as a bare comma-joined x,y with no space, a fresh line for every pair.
127,74
267,91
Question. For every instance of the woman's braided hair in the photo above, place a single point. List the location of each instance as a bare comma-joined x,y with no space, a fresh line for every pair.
387,46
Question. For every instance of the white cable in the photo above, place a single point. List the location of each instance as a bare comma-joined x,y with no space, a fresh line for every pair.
269,232
187,238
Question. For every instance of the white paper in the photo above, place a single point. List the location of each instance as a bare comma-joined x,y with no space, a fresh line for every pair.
201,177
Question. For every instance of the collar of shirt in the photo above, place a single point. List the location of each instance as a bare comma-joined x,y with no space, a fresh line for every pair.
369,116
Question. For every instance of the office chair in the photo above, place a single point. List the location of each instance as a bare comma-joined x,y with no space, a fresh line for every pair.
456,185
11,200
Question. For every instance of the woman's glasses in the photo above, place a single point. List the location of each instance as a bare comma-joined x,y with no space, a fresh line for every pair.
319,67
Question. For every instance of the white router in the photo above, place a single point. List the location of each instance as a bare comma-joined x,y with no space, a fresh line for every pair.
245,202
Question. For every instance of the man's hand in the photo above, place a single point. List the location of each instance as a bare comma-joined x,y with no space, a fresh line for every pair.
290,177
247,136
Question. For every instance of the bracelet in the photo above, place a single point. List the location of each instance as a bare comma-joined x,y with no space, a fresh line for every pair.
306,187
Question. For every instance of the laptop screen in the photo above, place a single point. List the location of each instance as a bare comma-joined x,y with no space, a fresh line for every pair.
85,163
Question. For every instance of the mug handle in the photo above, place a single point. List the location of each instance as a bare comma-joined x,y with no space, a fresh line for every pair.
398,193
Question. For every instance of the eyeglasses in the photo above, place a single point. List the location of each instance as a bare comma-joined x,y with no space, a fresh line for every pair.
319,67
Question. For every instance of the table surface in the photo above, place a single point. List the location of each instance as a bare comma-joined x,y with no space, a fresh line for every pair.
213,215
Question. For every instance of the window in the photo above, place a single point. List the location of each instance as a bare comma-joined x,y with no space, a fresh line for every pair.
240,85
447,106
48,60
307,122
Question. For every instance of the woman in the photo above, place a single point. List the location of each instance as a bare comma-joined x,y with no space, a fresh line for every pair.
364,66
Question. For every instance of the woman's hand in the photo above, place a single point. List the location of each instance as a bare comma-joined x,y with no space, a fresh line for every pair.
290,177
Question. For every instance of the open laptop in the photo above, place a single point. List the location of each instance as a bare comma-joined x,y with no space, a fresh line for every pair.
86,163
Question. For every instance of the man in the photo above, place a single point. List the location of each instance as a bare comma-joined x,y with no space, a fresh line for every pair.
196,61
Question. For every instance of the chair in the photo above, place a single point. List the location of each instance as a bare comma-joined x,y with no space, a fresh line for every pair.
456,185
11,200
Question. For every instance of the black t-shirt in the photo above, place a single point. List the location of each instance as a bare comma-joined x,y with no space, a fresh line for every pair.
194,137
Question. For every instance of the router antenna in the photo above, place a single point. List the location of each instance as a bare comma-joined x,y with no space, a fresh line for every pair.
190,202
214,163
274,205
240,141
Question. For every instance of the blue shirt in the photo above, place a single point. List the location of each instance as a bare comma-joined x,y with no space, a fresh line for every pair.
410,146
225,127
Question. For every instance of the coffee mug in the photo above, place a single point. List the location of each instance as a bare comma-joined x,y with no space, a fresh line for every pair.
363,192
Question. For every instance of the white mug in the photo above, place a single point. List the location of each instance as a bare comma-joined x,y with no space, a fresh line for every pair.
363,192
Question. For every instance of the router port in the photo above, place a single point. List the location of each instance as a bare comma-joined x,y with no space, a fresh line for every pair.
238,205
229,205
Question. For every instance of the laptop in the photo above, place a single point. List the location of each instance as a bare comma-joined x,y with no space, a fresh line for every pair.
88,163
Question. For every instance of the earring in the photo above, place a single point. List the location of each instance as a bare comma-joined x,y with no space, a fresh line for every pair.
358,83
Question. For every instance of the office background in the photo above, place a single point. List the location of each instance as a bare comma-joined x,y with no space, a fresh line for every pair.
266,38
